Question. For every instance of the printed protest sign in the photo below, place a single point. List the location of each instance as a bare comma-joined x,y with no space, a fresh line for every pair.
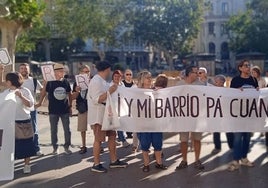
4,57
48,72
82,80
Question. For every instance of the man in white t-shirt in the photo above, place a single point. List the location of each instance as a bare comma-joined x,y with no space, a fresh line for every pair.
96,97
33,85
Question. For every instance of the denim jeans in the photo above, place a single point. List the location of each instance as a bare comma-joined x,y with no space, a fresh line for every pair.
241,145
34,124
217,140
121,136
65,119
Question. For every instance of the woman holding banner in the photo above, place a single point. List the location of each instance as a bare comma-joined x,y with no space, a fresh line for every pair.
24,143
148,138
242,139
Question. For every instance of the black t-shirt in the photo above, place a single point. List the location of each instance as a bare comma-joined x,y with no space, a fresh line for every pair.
249,82
128,84
58,96
82,95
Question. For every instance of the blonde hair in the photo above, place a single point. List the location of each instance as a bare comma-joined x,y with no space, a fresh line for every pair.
140,78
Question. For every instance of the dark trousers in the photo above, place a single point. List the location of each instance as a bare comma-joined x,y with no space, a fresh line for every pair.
217,140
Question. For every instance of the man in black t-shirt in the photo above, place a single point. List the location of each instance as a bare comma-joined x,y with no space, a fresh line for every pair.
60,106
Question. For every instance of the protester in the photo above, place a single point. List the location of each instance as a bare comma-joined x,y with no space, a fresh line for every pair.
242,139
117,79
24,143
256,73
203,77
59,106
33,85
148,138
191,78
129,82
97,95
81,102
219,81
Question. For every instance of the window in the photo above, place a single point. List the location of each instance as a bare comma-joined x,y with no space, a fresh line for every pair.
225,8
211,28
224,30
211,48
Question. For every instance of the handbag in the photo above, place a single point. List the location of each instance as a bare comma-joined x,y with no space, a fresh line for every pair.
110,118
81,105
23,130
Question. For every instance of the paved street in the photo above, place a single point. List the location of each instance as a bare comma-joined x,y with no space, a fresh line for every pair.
64,171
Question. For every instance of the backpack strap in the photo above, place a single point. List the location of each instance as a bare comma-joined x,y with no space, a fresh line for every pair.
35,84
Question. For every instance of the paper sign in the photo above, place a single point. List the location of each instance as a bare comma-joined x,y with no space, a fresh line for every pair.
1,137
48,72
4,57
82,80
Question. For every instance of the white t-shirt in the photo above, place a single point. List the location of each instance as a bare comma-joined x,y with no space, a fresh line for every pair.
22,111
29,83
96,88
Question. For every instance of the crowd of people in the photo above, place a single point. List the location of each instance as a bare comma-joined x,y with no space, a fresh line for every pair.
91,102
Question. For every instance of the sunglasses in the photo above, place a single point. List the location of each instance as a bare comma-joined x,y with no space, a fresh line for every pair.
200,72
128,74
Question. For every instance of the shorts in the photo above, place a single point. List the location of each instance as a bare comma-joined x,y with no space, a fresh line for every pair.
184,136
146,139
100,135
82,122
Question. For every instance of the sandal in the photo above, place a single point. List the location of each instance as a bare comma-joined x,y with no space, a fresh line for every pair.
146,168
182,165
83,150
160,166
234,165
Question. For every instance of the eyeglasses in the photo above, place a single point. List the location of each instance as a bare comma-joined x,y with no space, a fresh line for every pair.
246,65
86,71
128,74
200,72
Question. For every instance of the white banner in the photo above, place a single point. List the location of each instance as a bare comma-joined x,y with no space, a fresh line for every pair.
192,108
7,138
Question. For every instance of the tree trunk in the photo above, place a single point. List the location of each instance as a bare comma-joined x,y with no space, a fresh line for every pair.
10,31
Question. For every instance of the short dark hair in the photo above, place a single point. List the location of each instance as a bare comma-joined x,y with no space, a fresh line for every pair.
103,65
15,78
189,69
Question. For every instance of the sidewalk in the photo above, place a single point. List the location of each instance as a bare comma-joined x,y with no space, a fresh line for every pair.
73,170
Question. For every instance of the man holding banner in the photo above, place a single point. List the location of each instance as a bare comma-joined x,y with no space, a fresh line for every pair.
191,78
97,95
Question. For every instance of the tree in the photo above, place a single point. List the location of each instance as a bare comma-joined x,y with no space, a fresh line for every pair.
249,30
168,26
23,14
92,19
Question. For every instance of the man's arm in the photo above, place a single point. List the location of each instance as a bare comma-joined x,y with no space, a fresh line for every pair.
43,94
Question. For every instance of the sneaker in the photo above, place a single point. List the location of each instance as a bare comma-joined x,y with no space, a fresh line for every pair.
125,144
55,152
39,153
98,168
215,151
67,151
134,149
246,162
118,164
234,165
27,169
198,165
182,165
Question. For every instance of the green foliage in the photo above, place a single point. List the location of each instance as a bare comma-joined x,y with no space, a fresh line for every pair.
86,19
249,30
25,12
169,25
